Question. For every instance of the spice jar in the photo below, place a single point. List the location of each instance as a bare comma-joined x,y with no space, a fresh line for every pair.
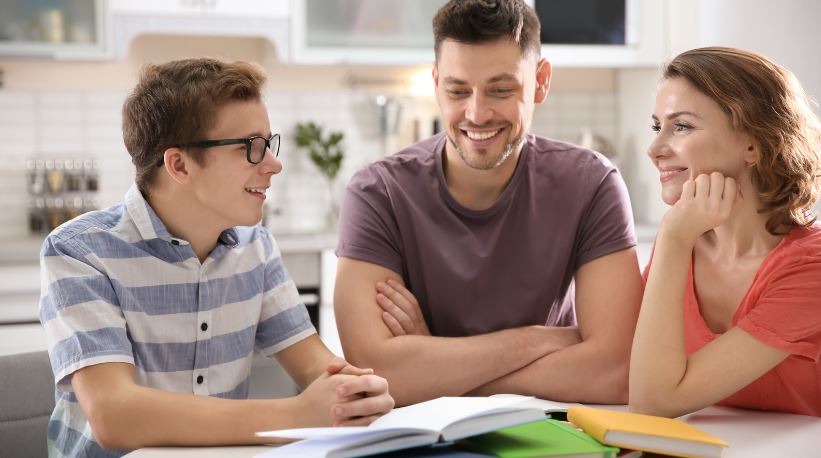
54,176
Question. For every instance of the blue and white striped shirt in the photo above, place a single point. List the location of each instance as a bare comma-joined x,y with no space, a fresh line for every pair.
118,287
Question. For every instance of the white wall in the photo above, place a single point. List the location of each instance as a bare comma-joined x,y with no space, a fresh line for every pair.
787,31
636,98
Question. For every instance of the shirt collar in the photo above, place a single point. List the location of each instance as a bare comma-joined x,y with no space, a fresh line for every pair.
150,226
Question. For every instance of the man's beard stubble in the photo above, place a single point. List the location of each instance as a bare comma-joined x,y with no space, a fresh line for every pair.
508,150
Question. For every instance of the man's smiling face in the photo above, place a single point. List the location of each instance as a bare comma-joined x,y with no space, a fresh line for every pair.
487,93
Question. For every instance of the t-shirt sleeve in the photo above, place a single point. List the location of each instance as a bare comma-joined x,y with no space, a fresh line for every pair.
607,225
787,316
284,319
367,227
80,312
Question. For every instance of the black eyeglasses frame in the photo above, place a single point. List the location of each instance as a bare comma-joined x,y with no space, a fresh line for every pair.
236,141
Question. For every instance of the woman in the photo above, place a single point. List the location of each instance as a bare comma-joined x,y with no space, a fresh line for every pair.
732,304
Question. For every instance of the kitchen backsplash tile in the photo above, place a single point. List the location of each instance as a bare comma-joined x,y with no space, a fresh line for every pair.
87,125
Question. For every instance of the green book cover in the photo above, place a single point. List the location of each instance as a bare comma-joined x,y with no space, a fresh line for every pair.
540,438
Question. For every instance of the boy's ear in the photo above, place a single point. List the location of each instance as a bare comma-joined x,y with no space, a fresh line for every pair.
175,163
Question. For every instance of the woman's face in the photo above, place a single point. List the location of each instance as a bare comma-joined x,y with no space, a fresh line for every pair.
694,136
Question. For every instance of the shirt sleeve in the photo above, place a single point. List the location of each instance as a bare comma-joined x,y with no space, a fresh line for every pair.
607,226
284,319
787,316
367,228
80,312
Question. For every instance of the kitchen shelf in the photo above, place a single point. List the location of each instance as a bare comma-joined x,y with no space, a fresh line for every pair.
57,29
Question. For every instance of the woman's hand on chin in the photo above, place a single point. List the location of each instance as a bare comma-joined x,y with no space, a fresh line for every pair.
706,202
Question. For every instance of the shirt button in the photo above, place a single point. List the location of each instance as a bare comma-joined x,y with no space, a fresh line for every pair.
204,326
175,242
199,379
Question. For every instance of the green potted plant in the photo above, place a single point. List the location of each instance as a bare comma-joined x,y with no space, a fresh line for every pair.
327,153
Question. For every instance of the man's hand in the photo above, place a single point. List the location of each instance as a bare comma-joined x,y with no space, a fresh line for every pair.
400,309
706,201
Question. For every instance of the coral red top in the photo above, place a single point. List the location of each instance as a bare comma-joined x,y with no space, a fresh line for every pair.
782,309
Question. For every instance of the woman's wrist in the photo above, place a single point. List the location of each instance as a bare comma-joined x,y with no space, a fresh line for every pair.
671,236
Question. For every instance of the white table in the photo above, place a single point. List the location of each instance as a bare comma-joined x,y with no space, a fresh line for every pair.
749,433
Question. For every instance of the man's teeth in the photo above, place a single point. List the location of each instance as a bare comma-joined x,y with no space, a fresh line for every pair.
481,135
257,190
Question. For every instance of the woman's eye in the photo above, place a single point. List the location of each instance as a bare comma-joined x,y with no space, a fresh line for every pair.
680,127
655,128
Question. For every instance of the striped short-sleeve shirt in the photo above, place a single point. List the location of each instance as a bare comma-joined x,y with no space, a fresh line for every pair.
118,287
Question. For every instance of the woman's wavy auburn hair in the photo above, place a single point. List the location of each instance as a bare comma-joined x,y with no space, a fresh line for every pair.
765,101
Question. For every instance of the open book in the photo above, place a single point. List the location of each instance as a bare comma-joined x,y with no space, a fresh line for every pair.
440,420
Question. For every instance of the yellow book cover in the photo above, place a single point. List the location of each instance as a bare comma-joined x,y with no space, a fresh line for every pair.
645,432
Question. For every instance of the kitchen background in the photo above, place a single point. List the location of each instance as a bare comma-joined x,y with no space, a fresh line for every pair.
361,67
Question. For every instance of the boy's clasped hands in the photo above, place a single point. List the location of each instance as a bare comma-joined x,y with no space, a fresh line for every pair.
345,395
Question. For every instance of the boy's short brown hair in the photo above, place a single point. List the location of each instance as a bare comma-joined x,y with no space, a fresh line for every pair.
175,103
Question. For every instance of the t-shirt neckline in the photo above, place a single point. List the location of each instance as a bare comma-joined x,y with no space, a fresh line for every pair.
691,287
503,199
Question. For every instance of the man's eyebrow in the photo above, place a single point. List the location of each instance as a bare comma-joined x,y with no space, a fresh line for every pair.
452,80
502,77
494,79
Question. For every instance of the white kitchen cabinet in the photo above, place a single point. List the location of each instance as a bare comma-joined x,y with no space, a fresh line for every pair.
363,31
243,18
217,8
400,32
57,29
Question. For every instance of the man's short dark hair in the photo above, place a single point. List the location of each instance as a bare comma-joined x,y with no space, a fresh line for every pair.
176,103
485,21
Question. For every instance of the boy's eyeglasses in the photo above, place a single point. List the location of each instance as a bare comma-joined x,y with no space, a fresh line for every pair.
255,146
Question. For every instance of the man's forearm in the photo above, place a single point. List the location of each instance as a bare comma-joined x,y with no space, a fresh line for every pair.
419,368
589,371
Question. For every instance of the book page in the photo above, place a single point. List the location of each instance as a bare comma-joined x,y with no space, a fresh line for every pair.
438,413
433,415
544,404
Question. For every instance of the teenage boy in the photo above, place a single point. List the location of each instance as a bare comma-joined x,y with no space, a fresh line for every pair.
153,307
486,259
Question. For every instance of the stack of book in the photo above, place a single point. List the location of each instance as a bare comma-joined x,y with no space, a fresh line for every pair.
505,426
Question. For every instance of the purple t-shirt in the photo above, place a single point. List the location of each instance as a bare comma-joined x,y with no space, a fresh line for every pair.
507,266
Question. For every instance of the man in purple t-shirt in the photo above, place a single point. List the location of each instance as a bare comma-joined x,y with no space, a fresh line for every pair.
488,260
